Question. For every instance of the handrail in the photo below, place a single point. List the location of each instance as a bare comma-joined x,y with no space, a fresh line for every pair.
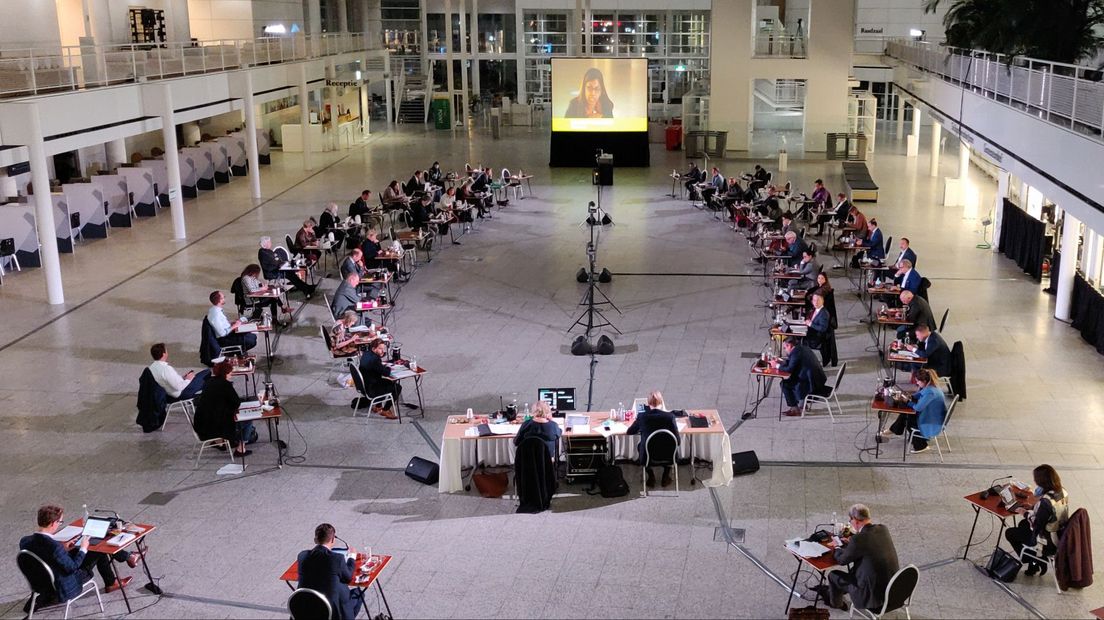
26,71
1064,95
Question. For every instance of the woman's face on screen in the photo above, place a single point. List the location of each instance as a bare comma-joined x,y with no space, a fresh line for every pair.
593,92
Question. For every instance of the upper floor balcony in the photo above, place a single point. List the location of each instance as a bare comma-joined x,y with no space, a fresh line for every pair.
32,71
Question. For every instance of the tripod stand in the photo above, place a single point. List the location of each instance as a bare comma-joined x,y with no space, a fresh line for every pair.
587,318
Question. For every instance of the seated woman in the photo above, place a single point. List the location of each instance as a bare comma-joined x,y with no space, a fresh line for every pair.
541,426
344,341
215,410
823,287
1044,521
930,407
306,237
394,197
253,282
328,223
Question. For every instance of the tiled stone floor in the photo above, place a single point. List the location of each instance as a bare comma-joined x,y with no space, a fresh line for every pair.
488,318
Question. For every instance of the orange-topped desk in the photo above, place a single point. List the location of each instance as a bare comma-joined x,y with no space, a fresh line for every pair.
367,573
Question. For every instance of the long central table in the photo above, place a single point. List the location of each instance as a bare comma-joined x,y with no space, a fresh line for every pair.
460,450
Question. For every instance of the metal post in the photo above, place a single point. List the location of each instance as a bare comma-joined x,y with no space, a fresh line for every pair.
304,116
44,209
252,152
172,162
1067,267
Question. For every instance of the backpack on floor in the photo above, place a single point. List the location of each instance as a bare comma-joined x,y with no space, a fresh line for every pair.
610,482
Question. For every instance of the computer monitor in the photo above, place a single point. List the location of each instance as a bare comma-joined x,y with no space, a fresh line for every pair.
559,399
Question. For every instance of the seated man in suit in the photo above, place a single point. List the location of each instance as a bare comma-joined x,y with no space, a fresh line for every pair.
346,296
223,329
807,269
270,267
374,372
837,213
907,277
693,176
917,312
330,573
806,375
176,386
795,248
931,346
71,564
874,244
655,417
873,562
361,206
820,195
715,187
906,254
353,263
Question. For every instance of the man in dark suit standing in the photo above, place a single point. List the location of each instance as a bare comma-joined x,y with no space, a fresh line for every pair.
374,373
329,573
71,565
806,375
654,418
873,560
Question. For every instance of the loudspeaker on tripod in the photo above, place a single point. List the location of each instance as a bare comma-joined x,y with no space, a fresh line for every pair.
580,346
604,345
605,277
581,275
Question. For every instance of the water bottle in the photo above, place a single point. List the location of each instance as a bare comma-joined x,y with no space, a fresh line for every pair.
470,415
267,317
85,506
621,410
527,412
613,417
414,363
836,523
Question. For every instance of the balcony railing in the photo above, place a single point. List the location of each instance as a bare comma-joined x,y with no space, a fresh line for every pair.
1067,96
781,46
32,71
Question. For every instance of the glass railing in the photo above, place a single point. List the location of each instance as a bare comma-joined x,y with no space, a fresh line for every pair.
32,71
1067,96
780,46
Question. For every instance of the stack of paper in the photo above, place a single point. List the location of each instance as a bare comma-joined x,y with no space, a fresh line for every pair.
805,548
505,429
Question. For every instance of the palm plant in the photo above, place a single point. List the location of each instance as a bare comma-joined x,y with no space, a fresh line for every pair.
1056,30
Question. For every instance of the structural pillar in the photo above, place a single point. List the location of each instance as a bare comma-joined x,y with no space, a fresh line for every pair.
963,162
44,210
936,137
343,16
475,87
172,163
449,77
116,153
314,16
304,116
331,99
252,153
387,97
464,55
364,100
912,144
1067,267
900,115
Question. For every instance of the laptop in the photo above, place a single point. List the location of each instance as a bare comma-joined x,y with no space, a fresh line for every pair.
96,528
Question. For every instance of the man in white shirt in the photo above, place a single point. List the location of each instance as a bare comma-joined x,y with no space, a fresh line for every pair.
223,329
176,386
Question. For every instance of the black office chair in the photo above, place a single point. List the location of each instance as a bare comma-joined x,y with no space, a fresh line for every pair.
75,226
290,243
7,254
41,581
660,449
925,284
534,476
307,604
943,321
889,244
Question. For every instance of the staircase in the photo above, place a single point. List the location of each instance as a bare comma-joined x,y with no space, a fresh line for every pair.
412,99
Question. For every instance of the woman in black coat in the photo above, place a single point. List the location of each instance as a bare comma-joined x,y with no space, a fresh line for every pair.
216,408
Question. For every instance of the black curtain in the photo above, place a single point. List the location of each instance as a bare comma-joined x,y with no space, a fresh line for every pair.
1087,312
1023,239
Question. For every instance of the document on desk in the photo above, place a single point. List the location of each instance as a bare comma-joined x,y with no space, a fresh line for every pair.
356,329
67,533
681,424
245,328
504,429
401,372
616,428
805,548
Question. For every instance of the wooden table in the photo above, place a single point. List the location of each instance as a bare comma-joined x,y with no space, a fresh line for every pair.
821,564
379,277
406,373
778,335
882,408
890,290
764,376
374,306
245,367
272,418
364,576
140,531
894,357
266,331
845,249
894,318
994,506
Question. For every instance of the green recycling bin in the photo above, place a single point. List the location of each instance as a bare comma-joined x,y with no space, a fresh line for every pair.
439,110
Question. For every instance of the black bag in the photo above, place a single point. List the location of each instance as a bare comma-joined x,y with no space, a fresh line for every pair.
610,482
426,472
1003,565
812,612
744,463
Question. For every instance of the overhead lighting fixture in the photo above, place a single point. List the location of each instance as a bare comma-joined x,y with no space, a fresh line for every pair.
680,67
275,29
357,74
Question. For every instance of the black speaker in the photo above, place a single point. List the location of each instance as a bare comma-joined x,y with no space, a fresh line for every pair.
591,220
581,275
606,219
744,463
605,277
426,472
580,346
604,346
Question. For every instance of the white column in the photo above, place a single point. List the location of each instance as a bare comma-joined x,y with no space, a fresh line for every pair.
252,153
314,28
936,137
387,97
574,33
116,153
172,163
519,55
449,77
912,144
963,163
331,73
475,86
1067,267
900,114
44,210
304,116
463,63
364,99
343,16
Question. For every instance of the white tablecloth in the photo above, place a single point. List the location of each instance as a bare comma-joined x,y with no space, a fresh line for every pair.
457,454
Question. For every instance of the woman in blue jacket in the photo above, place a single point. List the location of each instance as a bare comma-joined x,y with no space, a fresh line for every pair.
930,408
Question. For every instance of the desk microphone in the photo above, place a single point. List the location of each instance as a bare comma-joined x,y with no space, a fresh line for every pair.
114,514
992,486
